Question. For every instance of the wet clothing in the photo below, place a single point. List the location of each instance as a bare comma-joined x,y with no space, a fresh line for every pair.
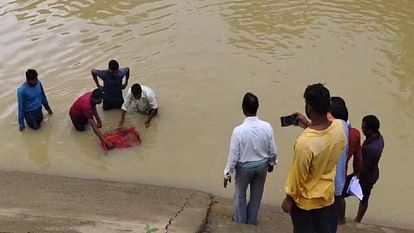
30,101
252,150
81,111
112,87
371,154
34,118
147,101
371,151
310,182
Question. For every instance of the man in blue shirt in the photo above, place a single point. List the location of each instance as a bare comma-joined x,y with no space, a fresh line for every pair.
112,84
30,98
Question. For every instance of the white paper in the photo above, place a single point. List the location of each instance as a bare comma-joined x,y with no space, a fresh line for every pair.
355,188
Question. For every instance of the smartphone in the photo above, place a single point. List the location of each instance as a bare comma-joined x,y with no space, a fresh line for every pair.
289,120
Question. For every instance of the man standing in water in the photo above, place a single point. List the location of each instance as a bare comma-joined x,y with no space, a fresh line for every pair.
310,183
143,100
371,153
112,84
83,111
30,98
252,154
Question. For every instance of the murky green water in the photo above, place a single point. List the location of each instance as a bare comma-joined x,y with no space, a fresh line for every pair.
201,57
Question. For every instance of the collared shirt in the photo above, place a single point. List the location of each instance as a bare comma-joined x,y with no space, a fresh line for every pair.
311,177
354,139
251,141
112,85
371,155
147,101
29,99
82,107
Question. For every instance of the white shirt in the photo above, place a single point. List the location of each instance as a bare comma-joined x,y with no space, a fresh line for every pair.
251,141
147,101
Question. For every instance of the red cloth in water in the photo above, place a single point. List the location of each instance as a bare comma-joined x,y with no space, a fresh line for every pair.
121,138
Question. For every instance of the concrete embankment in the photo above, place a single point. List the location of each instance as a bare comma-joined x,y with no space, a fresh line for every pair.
42,203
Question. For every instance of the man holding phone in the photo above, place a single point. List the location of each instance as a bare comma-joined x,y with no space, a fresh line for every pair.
252,154
310,183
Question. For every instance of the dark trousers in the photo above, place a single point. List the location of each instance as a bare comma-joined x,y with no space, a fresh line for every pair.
108,105
79,123
334,214
310,221
34,118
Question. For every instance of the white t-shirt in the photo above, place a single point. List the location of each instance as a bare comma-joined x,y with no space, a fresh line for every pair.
147,101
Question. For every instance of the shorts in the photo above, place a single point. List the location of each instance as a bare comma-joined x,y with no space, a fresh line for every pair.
365,186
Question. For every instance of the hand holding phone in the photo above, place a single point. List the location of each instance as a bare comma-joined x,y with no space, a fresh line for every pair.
289,120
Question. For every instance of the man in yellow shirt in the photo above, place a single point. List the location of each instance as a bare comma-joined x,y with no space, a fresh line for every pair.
310,183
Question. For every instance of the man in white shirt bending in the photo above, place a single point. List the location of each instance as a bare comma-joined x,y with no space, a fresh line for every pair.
142,99
252,154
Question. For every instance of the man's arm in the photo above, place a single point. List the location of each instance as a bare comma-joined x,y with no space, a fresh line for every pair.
124,108
45,103
152,114
94,74
154,109
121,122
126,78
99,134
20,103
303,122
233,158
272,150
98,119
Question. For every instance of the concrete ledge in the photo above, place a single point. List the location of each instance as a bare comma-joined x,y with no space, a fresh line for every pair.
42,204
273,220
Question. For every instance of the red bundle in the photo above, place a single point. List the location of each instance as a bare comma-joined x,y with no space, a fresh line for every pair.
121,138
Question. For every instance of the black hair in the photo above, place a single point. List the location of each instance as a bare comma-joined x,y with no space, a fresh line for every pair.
318,97
136,89
97,93
372,123
250,103
338,108
113,65
31,74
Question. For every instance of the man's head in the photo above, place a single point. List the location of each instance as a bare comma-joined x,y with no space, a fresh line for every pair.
317,100
136,91
113,66
250,104
370,125
97,96
31,77
338,108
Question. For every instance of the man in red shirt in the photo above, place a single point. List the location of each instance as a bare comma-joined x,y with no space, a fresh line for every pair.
83,111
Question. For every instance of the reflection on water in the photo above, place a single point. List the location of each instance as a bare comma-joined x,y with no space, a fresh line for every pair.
201,57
